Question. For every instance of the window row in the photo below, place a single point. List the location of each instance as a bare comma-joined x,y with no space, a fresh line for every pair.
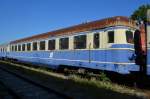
3,50
79,42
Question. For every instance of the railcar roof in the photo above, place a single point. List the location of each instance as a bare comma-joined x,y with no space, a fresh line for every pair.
94,25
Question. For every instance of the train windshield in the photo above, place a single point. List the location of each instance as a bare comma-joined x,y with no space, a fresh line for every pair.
129,36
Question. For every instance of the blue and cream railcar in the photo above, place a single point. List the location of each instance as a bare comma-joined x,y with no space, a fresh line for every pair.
104,45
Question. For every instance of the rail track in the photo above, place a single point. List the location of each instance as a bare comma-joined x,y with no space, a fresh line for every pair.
128,80
7,93
20,87
66,73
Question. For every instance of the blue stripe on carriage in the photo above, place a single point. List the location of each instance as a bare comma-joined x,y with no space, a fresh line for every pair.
122,46
111,60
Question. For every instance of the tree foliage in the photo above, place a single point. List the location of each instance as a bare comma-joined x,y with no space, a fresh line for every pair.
141,13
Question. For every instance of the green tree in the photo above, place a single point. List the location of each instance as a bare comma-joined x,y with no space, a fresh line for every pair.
141,13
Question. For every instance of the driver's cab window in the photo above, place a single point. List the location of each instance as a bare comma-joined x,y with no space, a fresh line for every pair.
129,36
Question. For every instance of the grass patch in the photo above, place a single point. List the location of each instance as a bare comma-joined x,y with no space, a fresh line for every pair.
79,87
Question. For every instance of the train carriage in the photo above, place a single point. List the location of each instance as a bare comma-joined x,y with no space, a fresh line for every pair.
104,45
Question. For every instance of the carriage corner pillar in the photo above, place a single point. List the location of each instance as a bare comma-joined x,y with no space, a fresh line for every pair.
89,44
71,43
31,46
57,44
46,43
103,39
38,45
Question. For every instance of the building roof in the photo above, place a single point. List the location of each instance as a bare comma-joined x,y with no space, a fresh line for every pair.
94,25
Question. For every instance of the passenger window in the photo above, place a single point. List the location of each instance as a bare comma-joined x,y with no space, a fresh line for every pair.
19,47
111,37
29,47
64,43
15,47
34,46
129,36
96,40
51,45
12,48
80,42
23,47
42,45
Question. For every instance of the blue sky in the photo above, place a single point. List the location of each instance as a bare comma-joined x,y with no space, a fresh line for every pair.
23,18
